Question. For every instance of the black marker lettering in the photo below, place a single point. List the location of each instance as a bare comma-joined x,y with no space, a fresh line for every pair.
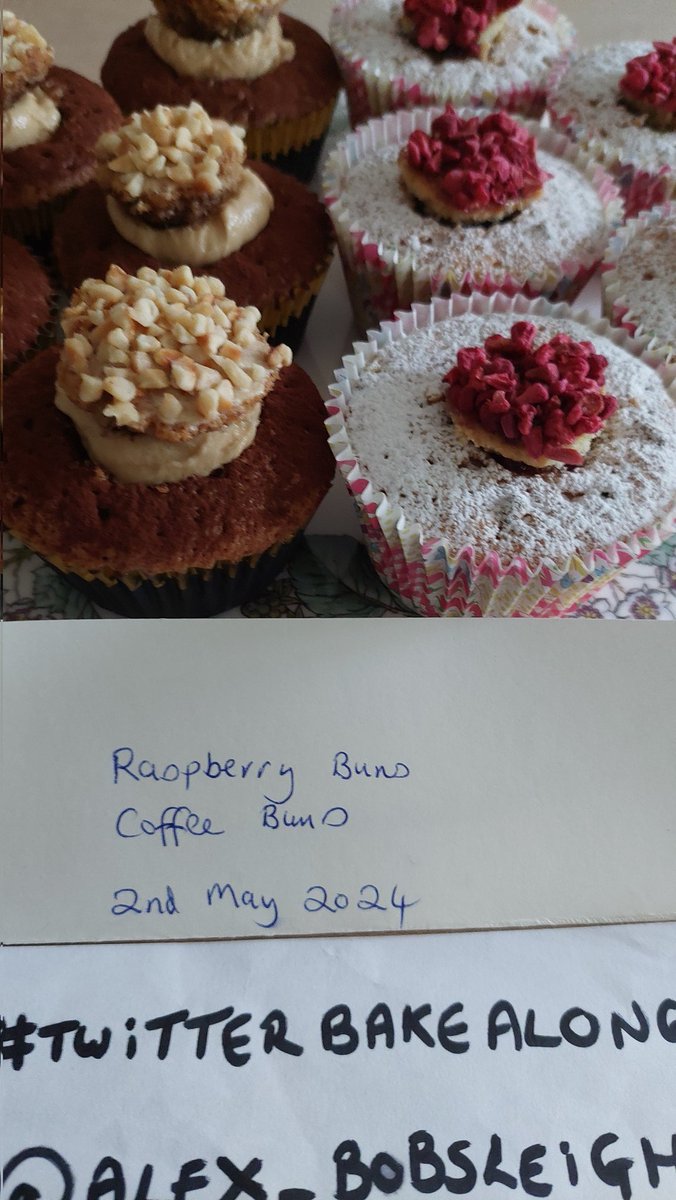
166,1026
529,1169
275,1027
615,1173
338,1033
496,1028
654,1161
57,1033
493,1174
107,1180
190,1179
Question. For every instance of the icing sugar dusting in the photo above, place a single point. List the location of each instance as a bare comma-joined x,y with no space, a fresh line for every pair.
529,45
590,91
646,276
567,222
407,446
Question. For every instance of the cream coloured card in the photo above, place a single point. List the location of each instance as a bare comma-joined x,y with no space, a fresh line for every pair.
357,777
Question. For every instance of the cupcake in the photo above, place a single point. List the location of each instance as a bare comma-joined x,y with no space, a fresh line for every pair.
166,458
639,283
426,203
52,119
27,303
173,188
505,458
494,53
619,101
244,62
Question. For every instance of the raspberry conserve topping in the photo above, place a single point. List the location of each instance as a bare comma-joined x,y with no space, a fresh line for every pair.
453,25
478,163
650,80
535,400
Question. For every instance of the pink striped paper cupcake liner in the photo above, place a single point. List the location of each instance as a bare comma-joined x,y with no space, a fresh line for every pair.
623,308
383,278
437,578
373,91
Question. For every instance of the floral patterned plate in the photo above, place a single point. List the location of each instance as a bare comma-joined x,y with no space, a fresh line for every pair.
331,576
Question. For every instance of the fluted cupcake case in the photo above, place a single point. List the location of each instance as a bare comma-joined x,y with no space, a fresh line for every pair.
383,71
29,305
384,274
585,105
645,304
287,111
435,576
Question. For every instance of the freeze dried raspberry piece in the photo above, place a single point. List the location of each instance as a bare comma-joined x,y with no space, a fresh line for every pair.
472,170
649,84
463,27
536,405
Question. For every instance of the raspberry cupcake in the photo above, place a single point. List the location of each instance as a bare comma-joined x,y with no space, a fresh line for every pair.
52,119
426,203
27,303
166,457
505,458
619,101
173,188
639,283
244,61
493,53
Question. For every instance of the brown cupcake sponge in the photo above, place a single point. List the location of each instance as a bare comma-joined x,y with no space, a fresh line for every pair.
288,254
68,509
34,174
27,301
138,79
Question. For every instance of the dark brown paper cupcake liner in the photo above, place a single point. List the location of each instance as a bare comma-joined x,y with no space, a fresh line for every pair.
194,593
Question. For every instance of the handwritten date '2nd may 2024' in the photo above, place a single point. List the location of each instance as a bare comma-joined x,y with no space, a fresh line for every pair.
274,786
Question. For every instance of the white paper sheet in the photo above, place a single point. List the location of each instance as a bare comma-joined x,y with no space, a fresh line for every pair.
229,783
294,1113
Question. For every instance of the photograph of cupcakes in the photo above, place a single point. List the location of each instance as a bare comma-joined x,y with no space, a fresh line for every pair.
166,457
245,62
404,53
639,282
505,458
52,119
619,101
427,203
173,188
27,298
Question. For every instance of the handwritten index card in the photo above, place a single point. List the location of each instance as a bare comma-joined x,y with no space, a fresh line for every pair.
246,780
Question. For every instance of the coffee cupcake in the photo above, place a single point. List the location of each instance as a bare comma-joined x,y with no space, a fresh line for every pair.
174,188
639,282
166,457
505,458
52,119
619,101
27,303
426,203
404,53
245,62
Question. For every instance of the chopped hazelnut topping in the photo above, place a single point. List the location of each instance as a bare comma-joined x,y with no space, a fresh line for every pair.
171,166
26,57
206,19
165,353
